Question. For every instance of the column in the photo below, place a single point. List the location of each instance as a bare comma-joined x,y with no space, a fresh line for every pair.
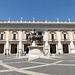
47,52
59,42
71,42
7,42
20,42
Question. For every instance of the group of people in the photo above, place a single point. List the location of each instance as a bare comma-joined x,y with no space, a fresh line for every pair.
7,52
19,53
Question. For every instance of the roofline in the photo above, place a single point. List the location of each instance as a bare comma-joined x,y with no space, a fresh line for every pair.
35,22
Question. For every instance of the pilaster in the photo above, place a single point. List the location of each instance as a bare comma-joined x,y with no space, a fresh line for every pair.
20,40
47,52
59,42
71,42
7,42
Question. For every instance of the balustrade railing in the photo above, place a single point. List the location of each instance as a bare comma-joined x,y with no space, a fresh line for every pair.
36,21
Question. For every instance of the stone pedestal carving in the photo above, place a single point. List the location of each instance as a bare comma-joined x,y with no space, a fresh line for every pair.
35,51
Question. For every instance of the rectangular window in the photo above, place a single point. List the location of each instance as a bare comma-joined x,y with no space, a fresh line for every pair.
14,36
64,36
52,36
39,33
1,36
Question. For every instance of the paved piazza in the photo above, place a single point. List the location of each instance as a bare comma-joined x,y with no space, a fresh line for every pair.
59,65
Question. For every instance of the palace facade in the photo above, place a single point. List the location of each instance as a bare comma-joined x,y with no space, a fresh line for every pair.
57,37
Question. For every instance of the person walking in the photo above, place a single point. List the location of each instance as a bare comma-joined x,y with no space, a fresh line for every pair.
5,52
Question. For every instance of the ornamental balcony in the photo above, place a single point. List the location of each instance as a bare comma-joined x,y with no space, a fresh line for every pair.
53,41
65,41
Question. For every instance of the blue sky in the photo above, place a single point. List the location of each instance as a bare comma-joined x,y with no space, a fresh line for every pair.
52,9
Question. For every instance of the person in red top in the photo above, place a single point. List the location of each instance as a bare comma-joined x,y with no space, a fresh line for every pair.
41,40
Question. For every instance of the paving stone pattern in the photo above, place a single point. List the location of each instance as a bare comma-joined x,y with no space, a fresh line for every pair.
58,65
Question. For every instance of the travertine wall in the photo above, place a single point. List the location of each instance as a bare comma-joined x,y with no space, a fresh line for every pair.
48,35
23,35
5,35
68,35
55,35
73,35
17,35
61,35
11,35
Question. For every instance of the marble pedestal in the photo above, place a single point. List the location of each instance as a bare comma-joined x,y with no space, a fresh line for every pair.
35,52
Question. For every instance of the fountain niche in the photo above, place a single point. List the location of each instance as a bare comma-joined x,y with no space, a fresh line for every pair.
36,47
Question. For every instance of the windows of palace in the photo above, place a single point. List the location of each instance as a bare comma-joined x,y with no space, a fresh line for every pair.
64,35
2,35
14,35
52,35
